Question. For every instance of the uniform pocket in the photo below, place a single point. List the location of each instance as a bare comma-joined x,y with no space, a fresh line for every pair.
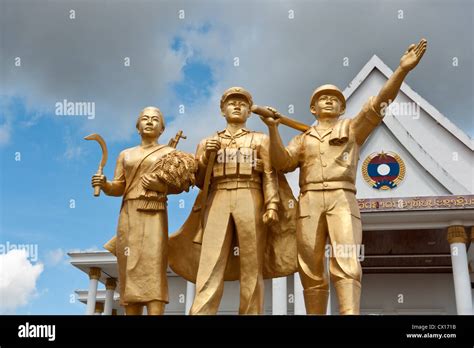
304,205
343,161
353,204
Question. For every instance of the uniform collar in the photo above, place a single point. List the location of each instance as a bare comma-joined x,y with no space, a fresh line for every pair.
226,134
339,132
318,135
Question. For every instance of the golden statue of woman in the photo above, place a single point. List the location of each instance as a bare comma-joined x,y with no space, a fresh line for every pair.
144,175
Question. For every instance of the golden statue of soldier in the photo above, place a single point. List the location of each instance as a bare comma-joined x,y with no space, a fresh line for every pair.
144,175
244,229
327,155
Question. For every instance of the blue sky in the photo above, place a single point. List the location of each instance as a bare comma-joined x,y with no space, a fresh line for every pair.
178,62
37,190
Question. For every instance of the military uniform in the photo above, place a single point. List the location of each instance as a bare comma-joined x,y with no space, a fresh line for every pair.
328,208
243,187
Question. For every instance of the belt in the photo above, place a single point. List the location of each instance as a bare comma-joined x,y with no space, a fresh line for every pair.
231,185
328,185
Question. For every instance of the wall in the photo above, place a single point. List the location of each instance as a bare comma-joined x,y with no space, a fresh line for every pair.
422,294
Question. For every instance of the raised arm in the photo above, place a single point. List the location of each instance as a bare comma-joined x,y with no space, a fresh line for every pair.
409,61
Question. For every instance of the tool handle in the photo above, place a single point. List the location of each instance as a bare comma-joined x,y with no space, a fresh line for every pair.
96,191
97,188
264,112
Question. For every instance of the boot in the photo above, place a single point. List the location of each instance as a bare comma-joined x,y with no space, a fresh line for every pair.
316,300
348,294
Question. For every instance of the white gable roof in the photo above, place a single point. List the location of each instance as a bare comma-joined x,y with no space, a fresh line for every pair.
376,62
440,156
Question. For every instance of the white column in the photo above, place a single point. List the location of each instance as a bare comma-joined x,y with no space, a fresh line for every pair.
279,296
471,267
328,309
190,292
472,296
94,275
298,294
110,286
457,239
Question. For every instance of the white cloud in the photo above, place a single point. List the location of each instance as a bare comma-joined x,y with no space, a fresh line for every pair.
81,66
281,59
5,130
73,146
72,152
55,257
18,278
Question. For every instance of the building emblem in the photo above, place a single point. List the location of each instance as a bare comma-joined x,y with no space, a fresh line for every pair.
383,170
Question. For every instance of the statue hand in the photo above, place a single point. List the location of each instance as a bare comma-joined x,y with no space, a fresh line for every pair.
99,180
413,55
270,217
212,145
150,182
271,121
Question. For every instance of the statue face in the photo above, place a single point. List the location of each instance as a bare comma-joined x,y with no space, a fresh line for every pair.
150,124
236,109
328,106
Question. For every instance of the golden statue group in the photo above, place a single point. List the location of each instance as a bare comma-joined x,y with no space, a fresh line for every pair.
245,223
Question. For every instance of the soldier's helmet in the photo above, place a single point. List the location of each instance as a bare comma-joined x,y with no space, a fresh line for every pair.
236,91
328,89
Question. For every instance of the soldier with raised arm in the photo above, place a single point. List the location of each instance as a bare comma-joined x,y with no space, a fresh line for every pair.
327,155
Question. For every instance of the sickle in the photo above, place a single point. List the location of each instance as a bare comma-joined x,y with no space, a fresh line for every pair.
103,161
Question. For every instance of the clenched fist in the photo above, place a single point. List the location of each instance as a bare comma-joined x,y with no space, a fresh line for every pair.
212,145
271,121
99,180
270,217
